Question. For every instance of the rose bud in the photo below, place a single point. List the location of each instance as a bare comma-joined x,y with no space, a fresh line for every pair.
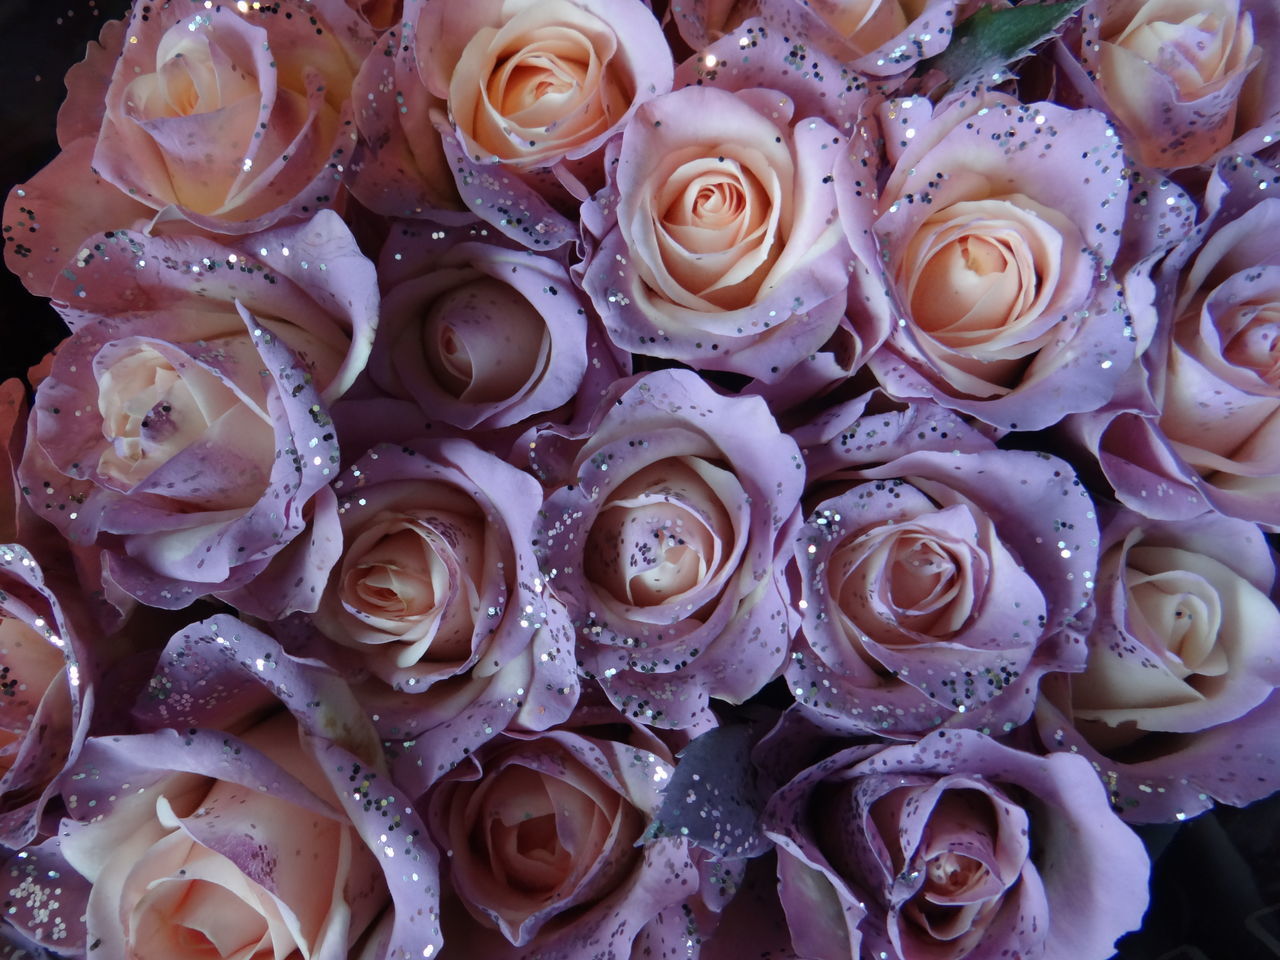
665,535
238,826
954,847
1185,81
532,92
1177,705
182,428
479,336
996,240
939,577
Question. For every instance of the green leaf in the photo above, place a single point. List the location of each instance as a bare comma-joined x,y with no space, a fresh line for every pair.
988,41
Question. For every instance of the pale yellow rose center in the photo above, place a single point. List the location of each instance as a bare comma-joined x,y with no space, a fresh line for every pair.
1256,346
1195,44
868,24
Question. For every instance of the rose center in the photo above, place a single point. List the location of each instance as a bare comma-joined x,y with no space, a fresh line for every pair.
1256,346
950,874
1194,47
1179,613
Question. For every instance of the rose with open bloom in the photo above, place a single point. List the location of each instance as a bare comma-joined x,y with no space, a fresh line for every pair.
543,839
1177,705
998,222
1187,81
716,241
665,534
528,85
261,829
954,847
939,577
436,596
182,428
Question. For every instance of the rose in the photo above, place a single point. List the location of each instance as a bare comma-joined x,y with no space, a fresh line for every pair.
954,846
1177,703
995,242
1205,433
45,702
436,595
264,94
542,834
528,86
873,38
664,534
716,240
1187,81
480,336
157,435
254,829
932,586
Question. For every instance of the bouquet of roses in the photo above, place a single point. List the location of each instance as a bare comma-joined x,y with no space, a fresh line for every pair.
574,479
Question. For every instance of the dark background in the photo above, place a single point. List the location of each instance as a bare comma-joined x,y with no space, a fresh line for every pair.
1216,886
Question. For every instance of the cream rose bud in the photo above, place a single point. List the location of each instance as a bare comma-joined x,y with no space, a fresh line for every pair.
997,236
1182,660
1185,79
716,241
528,86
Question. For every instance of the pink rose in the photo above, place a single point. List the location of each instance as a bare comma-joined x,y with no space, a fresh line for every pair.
1187,81
543,835
997,223
256,829
182,428
1177,704
716,241
878,39
532,91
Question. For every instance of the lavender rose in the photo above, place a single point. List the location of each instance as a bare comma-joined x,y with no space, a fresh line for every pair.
479,336
939,577
1178,703
1204,432
437,597
665,536
45,701
954,847
543,838
997,222
182,427
253,829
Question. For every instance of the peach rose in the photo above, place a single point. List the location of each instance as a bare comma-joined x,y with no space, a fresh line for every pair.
1185,79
